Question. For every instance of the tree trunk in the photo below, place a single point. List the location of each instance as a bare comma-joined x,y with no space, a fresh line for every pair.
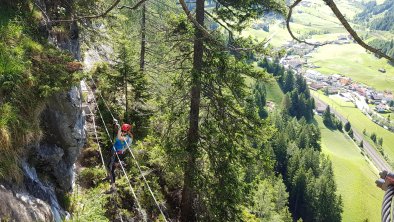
188,213
143,40
125,89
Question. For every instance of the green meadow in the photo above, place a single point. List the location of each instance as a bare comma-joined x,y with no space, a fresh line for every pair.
363,68
360,122
354,174
274,93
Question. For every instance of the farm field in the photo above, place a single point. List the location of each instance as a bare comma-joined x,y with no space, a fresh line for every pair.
362,68
360,122
354,176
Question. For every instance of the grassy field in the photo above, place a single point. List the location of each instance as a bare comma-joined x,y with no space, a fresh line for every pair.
354,176
317,19
274,93
360,122
362,68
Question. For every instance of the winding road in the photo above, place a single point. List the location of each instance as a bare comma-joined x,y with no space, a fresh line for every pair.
376,158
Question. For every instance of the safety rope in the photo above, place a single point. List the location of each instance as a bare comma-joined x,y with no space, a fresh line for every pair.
387,202
101,154
138,166
146,182
124,171
97,140
102,98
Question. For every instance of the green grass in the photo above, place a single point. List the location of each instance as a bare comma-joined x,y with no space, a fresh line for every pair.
360,122
274,93
317,18
351,60
354,176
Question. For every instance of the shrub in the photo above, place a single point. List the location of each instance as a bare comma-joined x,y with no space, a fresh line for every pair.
28,69
347,126
373,137
90,177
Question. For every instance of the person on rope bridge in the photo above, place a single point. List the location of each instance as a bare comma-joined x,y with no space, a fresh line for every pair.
123,139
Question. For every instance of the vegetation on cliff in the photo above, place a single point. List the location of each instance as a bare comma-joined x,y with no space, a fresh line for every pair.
31,70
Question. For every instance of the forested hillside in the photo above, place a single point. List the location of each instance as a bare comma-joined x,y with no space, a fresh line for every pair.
204,143
379,17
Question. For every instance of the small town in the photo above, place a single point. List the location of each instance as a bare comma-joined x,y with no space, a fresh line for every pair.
370,101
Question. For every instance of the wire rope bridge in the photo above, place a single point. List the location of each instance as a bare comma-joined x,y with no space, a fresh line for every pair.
139,208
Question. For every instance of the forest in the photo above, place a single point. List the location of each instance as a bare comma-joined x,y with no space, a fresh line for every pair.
206,147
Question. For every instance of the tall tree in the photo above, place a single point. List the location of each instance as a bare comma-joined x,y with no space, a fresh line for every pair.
188,193
327,118
143,38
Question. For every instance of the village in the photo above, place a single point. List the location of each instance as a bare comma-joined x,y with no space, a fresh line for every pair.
371,102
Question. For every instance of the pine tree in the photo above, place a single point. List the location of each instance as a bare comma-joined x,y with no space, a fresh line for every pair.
288,84
373,137
260,98
327,118
350,133
347,126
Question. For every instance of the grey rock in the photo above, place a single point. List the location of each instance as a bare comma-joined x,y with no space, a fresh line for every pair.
63,122
22,207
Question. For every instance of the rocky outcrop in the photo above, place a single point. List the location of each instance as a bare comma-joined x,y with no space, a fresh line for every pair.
63,123
48,165
23,207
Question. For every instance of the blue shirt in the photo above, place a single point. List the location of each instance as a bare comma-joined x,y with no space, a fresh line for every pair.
120,146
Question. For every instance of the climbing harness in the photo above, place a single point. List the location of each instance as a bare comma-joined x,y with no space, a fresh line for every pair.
124,172
386,183
135,160
101,155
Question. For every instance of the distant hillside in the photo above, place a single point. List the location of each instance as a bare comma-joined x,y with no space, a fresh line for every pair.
379,17
386,46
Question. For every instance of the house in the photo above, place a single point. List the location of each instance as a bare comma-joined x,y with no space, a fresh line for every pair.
332,90
388,96
361,91
382,70
344,81
320,109
316,86
377,97
380,108
295,63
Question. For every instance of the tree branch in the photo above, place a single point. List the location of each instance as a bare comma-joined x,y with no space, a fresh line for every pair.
289,29
207,34
103,14
344,23
353,33
132,7
217,20
194,21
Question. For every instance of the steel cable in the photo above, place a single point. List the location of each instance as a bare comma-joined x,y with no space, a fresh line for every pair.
387,204
138,166
124,171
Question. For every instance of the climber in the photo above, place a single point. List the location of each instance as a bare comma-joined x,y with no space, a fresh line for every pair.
123,139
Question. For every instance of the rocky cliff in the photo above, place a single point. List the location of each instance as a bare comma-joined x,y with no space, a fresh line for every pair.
48,164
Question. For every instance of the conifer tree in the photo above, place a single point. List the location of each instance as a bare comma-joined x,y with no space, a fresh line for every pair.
347,126
327,118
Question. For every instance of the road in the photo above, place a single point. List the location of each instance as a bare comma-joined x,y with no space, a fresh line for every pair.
376,158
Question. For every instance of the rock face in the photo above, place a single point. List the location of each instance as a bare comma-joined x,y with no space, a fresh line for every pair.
63,122
22,207
49,165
